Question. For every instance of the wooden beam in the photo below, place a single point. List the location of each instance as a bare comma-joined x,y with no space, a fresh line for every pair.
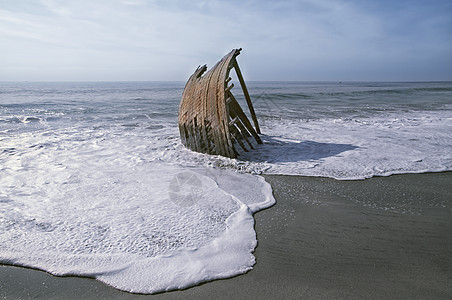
236,122
238,137
229,88
234,105
247,95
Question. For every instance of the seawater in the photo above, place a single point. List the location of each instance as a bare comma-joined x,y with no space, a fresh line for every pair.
95,182
351,130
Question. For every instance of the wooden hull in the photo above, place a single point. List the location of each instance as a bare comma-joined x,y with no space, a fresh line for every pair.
210,119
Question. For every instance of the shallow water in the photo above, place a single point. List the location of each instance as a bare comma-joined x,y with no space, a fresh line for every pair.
95,182
347,130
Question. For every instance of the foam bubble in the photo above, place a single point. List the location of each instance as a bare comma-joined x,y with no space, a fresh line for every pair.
111,193
342,148
95,206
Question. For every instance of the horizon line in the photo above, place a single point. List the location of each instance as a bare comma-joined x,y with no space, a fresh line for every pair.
335,81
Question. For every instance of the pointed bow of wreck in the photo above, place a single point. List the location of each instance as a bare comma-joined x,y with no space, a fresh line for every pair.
210,118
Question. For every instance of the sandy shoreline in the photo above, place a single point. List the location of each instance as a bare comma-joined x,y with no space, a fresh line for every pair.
385,237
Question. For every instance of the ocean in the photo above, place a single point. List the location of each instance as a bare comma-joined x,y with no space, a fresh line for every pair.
95,182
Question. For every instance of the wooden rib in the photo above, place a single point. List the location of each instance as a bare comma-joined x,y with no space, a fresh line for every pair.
244,133
233,121
236,121
238,137
234,105
229,88
247,95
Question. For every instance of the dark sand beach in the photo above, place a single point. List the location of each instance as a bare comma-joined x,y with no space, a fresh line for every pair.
380,238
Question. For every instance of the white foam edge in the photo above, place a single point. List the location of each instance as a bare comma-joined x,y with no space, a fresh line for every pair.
227,255
239,185
362,177
230,254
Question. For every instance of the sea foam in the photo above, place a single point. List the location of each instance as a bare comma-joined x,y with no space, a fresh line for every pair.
343,148
94,204
95,182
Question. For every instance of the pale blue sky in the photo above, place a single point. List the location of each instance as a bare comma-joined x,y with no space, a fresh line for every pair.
80,40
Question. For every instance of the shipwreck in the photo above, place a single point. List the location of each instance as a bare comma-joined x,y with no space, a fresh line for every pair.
210,118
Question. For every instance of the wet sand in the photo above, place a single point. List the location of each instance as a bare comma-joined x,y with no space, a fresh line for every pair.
385,237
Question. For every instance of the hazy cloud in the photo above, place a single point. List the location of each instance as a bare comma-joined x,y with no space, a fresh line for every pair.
282,40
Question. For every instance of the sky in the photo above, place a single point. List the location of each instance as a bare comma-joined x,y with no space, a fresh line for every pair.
306,40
